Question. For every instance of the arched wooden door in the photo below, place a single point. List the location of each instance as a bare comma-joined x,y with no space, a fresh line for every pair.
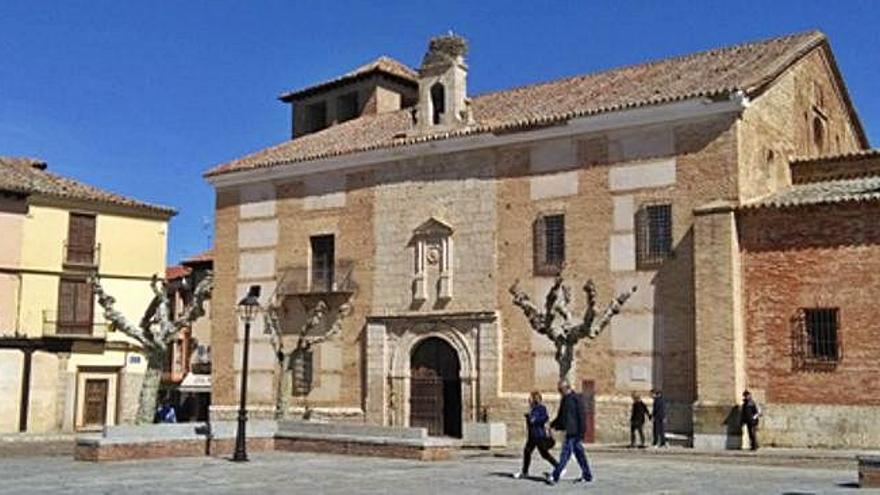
435,388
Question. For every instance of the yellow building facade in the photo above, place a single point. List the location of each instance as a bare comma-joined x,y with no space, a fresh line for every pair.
62,367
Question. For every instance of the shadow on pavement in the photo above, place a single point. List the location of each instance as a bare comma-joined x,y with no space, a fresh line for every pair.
539,479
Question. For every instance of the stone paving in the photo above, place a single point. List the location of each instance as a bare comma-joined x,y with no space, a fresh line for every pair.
616,473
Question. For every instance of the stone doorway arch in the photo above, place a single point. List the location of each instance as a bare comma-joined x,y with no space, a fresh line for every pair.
435,387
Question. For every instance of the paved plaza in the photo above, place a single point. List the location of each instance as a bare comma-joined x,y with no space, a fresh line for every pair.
616,473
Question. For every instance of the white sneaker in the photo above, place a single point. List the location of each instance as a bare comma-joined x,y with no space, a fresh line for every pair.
517,475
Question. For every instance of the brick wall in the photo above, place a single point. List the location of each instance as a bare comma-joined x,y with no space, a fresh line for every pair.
826,256
777,125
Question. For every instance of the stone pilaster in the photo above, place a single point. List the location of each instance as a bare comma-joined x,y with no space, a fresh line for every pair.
377,372
720,341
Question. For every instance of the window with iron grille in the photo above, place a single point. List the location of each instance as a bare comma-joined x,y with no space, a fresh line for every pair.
549,244
820,334
654,234
323,263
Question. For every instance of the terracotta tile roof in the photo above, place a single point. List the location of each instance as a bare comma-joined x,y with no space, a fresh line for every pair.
850,165
175,272
826,192
29,176
383,64
203,257
748,67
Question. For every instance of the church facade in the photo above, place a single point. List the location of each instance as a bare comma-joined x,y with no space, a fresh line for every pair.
702,180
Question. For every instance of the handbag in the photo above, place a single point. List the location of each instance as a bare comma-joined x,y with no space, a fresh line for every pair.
547,442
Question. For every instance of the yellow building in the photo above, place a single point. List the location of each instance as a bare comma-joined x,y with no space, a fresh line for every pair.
61,369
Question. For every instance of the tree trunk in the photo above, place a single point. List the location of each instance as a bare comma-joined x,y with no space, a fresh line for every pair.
150,391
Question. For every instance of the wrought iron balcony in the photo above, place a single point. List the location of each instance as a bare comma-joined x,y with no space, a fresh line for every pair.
54,327
82,256
300,280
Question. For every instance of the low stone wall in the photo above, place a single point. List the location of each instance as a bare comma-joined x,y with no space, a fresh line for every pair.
120,443
869,471
362,439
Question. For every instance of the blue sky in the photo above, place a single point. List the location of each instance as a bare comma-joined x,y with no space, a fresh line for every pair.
142,97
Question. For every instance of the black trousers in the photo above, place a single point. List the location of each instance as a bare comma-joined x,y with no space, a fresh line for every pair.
659,431
753,435
531,445
636,428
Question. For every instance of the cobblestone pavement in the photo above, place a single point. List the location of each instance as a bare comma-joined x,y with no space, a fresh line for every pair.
307,473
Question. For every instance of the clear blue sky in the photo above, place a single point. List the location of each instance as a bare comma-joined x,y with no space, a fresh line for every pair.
142,97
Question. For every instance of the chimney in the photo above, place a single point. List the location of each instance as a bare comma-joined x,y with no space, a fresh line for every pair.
443,101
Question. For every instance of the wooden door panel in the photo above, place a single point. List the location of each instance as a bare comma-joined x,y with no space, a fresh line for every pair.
95,402
426,401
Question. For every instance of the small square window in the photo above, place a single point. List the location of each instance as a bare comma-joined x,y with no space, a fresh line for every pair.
654,242
816,338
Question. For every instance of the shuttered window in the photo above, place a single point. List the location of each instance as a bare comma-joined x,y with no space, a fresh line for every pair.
80,239
75,307
549,244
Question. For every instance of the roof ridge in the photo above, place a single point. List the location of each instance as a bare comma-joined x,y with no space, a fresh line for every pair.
649,63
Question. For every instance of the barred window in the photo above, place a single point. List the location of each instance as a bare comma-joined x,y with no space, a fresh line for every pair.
654,234
817,343
347,107
549,243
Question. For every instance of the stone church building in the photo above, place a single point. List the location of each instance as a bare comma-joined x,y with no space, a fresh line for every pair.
735,188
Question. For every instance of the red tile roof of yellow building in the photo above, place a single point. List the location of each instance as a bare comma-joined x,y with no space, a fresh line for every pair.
29,176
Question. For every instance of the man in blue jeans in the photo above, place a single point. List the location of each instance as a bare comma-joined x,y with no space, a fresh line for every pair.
570,419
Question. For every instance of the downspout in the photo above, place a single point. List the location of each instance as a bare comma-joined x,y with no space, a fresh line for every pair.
25,390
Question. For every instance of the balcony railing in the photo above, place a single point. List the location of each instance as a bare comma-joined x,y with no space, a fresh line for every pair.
82,256
53,327
300,280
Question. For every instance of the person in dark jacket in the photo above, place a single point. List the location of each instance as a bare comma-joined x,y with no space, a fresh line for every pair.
637,421
658,411
749,417
538,437
570,419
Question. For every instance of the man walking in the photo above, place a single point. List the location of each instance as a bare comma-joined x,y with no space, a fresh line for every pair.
637,421
570,419
658,411
749,416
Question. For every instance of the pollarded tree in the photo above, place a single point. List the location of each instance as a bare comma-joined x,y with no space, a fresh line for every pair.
319,326
156,330
556,321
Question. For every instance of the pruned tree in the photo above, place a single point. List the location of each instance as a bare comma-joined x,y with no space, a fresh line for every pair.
319,326
556,321
155,331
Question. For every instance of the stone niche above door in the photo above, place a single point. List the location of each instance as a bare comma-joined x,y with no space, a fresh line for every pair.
431,246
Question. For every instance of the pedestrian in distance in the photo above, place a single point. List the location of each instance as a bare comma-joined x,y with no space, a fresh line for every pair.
637,421
538,435
658,412
166,413
570,419
749,415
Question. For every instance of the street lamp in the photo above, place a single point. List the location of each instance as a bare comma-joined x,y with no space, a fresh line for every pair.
248,308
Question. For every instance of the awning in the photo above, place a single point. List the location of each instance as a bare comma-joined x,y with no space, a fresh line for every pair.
195,383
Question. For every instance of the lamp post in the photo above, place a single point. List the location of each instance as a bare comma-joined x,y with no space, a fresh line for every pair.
248,308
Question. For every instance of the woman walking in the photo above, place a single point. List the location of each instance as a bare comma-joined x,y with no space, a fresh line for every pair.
539,437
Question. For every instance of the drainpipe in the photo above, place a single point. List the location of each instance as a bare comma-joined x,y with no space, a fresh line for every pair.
25,390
